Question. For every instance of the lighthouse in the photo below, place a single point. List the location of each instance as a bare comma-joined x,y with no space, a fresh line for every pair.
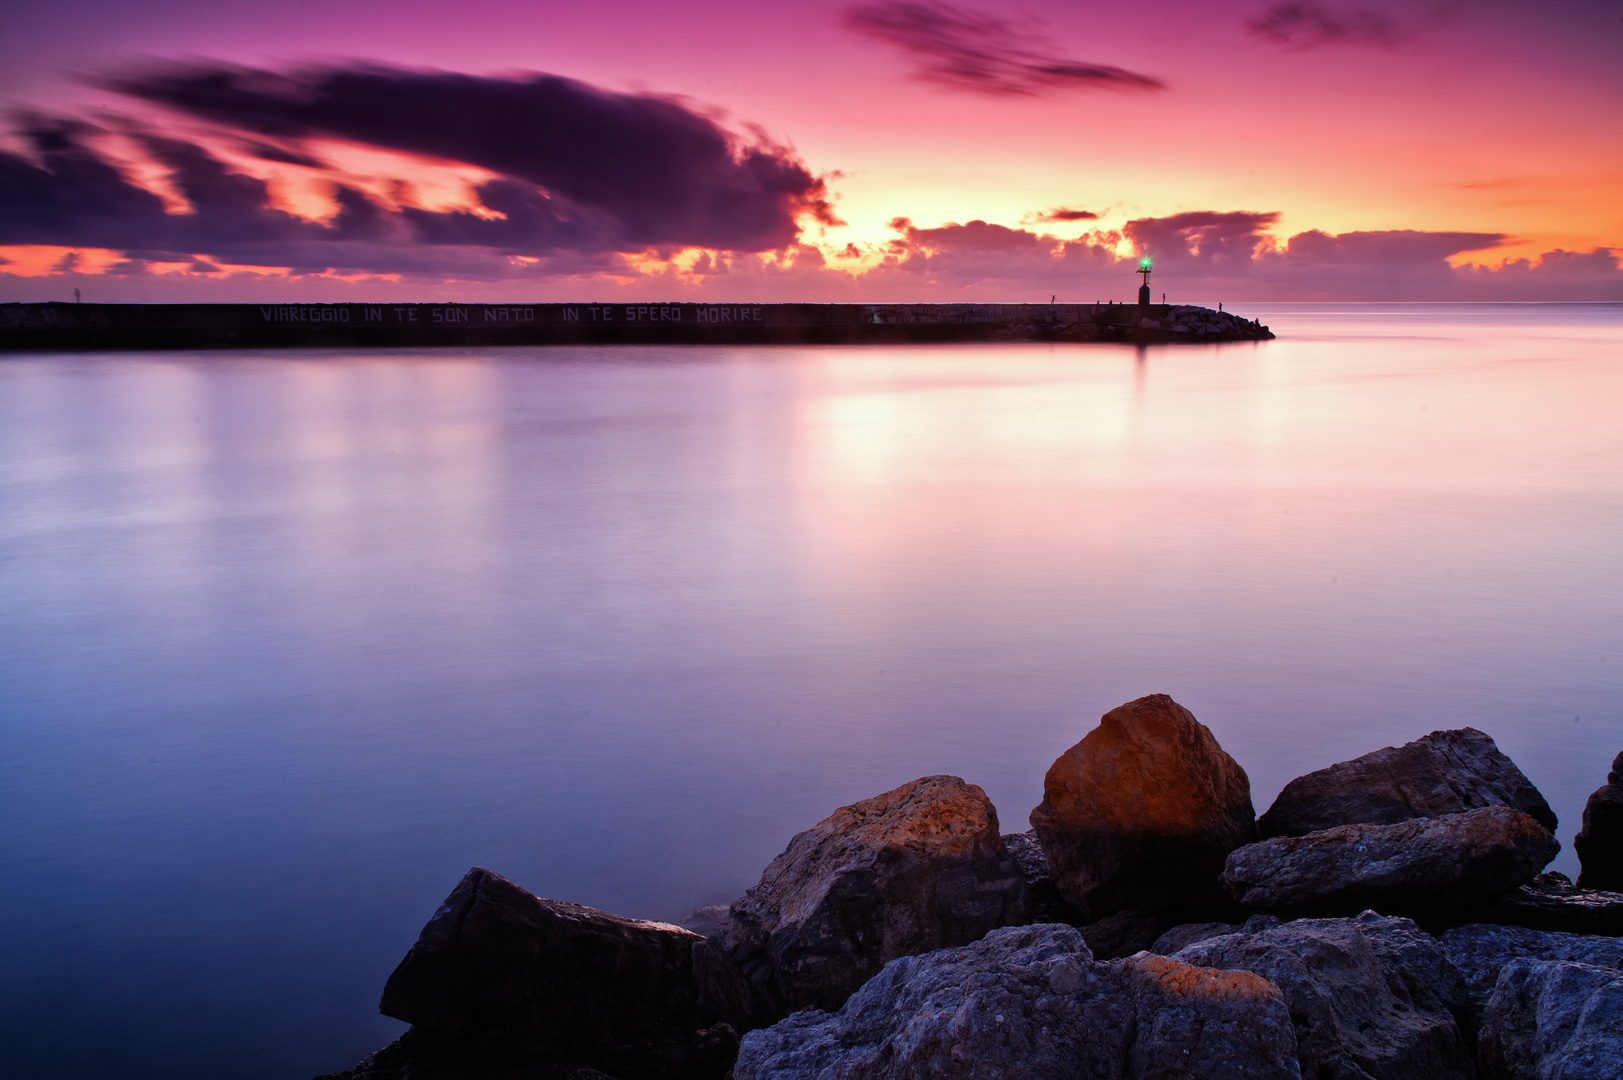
1144,289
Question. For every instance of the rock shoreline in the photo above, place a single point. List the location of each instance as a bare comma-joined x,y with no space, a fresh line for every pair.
1386,919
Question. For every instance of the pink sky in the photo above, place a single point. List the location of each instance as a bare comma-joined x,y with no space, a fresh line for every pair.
1431,150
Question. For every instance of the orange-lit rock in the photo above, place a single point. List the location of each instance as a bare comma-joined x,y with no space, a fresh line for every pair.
915,869
1142,812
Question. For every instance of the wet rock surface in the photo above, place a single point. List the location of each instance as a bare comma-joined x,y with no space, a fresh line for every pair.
1141,813
1369,997
1599,843
912,870
1553,1020
1415,865
1445,772
1030,1002
498,971
1481,950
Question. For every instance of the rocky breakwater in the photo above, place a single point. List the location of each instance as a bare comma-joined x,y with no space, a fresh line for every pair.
902,937
1154,324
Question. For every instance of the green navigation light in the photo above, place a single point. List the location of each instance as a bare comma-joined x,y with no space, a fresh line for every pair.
1145,262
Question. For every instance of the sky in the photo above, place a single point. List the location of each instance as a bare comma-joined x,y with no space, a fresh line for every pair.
877,150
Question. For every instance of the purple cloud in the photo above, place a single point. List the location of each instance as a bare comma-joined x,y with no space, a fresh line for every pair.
1200,236
968,50
1304,24
649,170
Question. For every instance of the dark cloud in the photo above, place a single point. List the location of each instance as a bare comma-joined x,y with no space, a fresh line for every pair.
69,195
1397,247
649,170
973,238
1065,213
1307,25
1200,236
968,50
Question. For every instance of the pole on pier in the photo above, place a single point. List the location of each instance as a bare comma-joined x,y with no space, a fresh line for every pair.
1144,289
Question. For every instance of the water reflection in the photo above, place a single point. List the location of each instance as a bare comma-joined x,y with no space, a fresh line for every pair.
292,640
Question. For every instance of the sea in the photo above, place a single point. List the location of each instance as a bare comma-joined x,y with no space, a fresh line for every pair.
291,640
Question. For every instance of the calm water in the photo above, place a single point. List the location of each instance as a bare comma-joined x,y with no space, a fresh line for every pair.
288,641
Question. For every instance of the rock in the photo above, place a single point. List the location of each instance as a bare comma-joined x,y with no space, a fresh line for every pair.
1030,1002
1599,843
1044,904
912,870
1181,937
1446,772
1140,814
704,921
1481,950
1412,866
1370,997
1550,902
1554,1020
1122,934
499,971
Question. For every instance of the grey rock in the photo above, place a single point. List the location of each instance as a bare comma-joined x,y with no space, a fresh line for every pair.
912,870
1044,904
1551,902
1481,950
498,971
1180,937
1599,843
1371,997
1122,934
1030,1002
1411,866
1446,772
704,921
1554,1020
1140,814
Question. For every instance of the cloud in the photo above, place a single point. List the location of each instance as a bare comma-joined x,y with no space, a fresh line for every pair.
267,152
968,50
1203,236
1065,213
1302,24
72,196
646,168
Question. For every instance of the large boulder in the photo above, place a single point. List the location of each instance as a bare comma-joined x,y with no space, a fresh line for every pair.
1413,866
1446,772
1554,1020
1599,843
500,974
1481,950
914,869
1140,814
1370,997
1030,1002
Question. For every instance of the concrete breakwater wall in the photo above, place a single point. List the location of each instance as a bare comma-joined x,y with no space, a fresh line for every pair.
214,326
